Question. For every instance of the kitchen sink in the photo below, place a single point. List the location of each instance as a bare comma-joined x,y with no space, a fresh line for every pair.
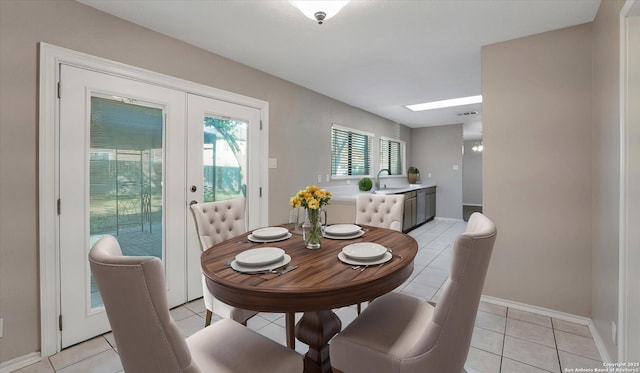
390,190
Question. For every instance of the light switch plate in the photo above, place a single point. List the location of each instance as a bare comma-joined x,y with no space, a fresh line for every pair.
273,162
1,322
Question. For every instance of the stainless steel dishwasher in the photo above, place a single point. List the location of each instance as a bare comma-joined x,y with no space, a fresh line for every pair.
421,208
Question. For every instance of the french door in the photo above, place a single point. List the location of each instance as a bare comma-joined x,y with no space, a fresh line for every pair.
121,172
131,156
224,162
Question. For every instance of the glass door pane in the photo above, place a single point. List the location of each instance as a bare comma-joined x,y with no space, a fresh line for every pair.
126,173
224,158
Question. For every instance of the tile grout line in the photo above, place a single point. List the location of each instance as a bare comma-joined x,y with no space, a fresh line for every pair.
556,342
504,340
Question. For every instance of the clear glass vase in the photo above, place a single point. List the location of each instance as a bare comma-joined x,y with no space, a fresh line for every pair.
312,228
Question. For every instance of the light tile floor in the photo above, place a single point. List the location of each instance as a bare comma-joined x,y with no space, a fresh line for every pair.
505,340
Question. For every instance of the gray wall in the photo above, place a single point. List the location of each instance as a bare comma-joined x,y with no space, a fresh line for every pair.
537,168
299,136
605,175
575,268
471,174
439,150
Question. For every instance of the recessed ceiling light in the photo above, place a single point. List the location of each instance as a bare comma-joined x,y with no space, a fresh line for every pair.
445,103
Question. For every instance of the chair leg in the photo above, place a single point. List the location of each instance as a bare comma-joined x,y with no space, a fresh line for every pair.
358,308
207,319
290,327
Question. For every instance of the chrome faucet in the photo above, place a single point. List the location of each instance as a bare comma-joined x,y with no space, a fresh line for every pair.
378,177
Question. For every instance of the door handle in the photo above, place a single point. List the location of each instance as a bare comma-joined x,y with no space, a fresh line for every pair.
193,202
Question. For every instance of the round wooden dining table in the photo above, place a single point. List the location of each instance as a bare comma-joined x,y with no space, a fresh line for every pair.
319,284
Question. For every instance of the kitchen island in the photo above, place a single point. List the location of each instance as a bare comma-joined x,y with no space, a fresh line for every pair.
419,203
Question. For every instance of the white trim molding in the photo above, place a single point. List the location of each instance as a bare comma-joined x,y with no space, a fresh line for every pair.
448,219
555,315
20,362
51,57
627,266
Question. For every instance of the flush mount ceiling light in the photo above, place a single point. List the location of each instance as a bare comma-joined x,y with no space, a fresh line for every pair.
445,103
319,10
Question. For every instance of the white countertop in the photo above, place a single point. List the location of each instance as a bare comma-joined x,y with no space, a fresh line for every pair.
348,193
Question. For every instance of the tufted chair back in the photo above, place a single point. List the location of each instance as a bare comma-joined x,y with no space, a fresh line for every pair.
380,210
134,294
218,221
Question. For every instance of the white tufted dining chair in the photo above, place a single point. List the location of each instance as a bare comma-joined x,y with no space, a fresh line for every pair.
216,222
380,210
134,293
403,334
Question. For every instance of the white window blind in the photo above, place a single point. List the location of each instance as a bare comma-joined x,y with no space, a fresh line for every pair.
392,155
350,152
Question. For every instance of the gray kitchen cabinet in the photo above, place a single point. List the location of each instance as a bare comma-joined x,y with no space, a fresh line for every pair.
419,207
410,205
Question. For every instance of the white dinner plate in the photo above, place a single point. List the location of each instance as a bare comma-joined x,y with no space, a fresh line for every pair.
260,256
332,237
269,233
385,258
364,251
240,268
342,229
252,238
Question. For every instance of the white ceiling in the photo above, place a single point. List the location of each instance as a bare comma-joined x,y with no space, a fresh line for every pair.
377,55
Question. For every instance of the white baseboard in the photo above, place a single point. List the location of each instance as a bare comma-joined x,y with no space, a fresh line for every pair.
604,355
597,338
20,362
447,219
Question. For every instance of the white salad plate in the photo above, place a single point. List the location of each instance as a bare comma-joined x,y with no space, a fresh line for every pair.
253,238
364,251
268,267
260,256
342,229
351,237
385,258
269,233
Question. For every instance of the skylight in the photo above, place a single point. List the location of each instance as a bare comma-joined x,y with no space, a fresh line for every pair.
445,103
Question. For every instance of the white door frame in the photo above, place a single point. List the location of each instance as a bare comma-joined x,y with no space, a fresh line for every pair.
50,58
628,261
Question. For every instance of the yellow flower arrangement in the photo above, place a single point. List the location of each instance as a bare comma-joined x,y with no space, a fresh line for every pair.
311,198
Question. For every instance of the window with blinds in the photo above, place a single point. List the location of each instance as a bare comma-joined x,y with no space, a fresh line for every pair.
350,152
392,155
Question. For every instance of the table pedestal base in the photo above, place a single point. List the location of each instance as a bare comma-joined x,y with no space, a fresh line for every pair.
316,329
